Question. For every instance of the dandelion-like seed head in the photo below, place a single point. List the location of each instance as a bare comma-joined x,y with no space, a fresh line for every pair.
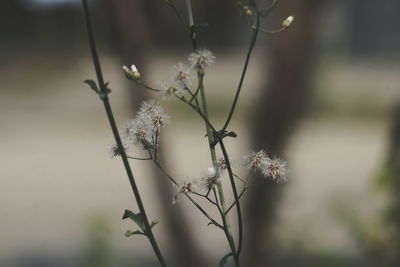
276,169
187,187
209,178
256,160
182,75
147,108
172,87
201,58
141,132
222,164
159,119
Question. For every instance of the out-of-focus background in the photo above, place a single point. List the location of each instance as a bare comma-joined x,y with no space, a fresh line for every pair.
323,95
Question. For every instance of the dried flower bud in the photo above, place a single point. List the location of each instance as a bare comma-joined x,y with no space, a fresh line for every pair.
247,11
287,22
131,73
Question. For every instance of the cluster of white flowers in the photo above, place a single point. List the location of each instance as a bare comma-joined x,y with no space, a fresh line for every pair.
144,130
274,169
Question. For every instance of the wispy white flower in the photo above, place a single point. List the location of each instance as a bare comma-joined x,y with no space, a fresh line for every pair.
141,132
222,164
182,74
276,169
172,87
209,179
153,112
131,73
147,108
179,190
256,160
201,58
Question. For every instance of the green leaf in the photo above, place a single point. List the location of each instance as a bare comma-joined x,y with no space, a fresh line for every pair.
137,218
153,223
224,259
92,85
130,233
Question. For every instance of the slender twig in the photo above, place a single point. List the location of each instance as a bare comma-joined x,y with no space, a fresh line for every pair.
253,40
206,197
235,194
161,168
273,31
198,111
266,11
234,203
141,84
107,106
136,158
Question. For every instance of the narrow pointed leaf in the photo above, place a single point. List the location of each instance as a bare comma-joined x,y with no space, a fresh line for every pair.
137,218
130,233
153,223
92,84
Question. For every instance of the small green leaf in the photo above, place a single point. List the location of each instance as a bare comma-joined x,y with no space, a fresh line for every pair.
224,259
92,85
154,223
231,134
137,218
130,233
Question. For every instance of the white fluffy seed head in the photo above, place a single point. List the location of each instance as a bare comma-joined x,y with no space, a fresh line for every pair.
141,132
171,88
256,160
209,178
182,75
201,58
276,169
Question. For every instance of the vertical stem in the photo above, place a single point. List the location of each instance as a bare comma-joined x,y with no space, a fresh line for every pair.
114,129
210,135
192,30
235,194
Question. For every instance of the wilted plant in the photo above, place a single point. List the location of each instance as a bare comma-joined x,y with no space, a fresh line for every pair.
187,85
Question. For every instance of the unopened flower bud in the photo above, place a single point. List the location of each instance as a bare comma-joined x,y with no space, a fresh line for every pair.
132,73
287,22
247,11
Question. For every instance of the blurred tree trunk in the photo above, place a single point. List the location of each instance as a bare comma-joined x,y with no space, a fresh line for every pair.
281,104
133,43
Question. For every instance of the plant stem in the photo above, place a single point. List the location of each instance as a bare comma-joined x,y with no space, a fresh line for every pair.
114,129
253,40
236,196
211,141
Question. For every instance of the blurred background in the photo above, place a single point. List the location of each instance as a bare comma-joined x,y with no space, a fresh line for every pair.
323,94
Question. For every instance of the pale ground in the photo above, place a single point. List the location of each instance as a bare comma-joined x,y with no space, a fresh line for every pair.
55,171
